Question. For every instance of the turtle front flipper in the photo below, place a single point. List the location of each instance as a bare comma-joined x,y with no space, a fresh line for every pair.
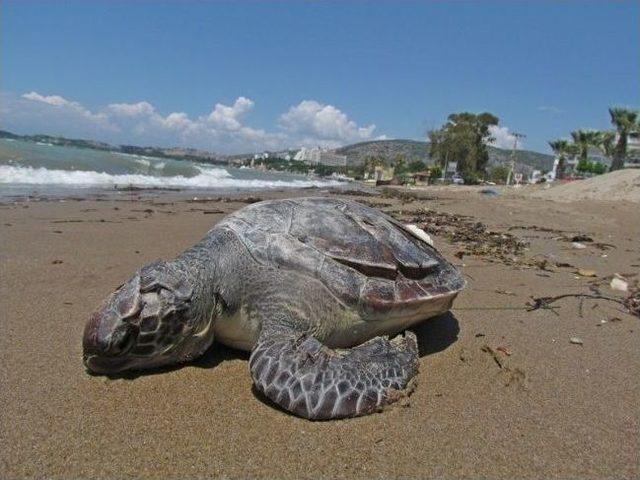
303,376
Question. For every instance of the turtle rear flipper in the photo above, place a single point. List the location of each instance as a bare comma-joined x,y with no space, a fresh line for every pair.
303,376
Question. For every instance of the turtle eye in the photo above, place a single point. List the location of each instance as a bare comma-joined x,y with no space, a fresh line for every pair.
123,339
159,275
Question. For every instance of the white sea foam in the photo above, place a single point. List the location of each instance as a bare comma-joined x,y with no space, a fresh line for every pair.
134,156
207,178
142,161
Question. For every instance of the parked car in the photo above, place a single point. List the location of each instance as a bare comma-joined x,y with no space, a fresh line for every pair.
457,179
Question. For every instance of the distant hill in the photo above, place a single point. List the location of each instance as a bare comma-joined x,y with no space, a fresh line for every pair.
61,141
526,158
177,153
410,149
417,150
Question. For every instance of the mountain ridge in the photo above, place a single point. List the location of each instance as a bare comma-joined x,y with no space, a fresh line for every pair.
526,160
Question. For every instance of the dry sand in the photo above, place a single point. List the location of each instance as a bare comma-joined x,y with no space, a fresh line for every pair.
621,185
550,409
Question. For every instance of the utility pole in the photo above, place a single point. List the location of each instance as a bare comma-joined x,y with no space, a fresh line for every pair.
446,166
512,171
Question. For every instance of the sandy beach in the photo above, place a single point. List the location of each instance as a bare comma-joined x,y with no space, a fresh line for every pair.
502,391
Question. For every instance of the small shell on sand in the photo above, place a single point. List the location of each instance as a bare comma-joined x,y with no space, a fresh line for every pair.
618,283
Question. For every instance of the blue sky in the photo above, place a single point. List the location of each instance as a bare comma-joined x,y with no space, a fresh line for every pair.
245,76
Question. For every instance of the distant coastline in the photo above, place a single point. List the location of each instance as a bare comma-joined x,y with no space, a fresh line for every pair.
175,153
355,153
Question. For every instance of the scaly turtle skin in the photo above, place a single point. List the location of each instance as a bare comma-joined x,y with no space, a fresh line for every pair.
310,286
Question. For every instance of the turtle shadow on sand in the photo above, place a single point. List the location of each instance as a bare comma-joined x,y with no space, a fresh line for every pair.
212,357
437,333
434,335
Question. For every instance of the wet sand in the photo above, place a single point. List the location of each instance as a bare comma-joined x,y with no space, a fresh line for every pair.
502,393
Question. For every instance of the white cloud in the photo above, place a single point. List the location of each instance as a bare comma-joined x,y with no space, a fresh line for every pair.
312,121
63,103
36,113
131,109
56,100
227,117
309,123
178,120
502,137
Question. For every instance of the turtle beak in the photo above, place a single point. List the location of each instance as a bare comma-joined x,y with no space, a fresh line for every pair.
107,336
105,366
105,343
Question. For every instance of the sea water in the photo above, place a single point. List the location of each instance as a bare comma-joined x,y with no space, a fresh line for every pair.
28,167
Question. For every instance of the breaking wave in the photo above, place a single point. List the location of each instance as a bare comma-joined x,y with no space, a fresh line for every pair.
206,178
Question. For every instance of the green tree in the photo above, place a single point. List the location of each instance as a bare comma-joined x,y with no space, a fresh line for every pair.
416,166
499,174
585,139
562,149
463,139
625,120
435,172
573,150
583,166
326,170
607,143
371,162
399,163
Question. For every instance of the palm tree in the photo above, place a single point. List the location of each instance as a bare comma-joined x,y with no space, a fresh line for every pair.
607,143
585,139
624,120
562,148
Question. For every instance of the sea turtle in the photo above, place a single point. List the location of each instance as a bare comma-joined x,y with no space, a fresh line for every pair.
310,286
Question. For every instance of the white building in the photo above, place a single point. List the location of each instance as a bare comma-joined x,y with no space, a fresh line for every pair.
308,155
633,149
316,155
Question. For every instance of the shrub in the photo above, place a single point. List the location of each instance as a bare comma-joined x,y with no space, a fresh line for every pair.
470,178
499,174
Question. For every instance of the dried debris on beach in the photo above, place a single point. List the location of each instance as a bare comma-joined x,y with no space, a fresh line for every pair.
249,199
404,196
473,237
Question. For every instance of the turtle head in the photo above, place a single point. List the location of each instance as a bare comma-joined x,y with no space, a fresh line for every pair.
147,322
